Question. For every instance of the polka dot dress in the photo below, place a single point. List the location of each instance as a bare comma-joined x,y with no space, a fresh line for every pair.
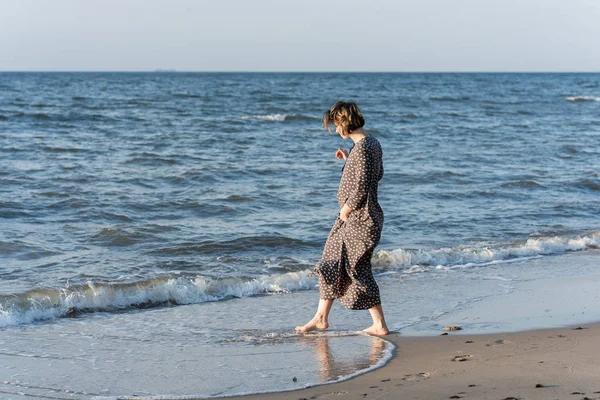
344,270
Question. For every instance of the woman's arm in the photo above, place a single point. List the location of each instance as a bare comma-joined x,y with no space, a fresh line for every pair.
345,211
361,174
360,192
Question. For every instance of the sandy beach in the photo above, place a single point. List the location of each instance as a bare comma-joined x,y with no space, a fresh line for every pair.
541,364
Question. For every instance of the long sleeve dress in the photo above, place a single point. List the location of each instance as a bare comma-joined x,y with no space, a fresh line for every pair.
344,270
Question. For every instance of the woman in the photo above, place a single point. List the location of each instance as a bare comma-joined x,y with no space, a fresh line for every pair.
344,270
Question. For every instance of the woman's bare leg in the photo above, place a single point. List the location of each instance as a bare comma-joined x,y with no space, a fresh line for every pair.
379,327
320,320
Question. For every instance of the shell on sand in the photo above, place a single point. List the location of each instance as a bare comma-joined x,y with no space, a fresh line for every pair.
453,328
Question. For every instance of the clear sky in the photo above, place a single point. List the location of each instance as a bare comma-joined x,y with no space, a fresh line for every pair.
300,35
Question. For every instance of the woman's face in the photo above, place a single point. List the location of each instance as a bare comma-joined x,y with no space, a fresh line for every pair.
339,131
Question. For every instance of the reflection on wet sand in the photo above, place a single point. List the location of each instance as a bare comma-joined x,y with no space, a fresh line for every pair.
330,369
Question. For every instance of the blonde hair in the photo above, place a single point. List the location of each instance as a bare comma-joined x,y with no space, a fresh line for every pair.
344,114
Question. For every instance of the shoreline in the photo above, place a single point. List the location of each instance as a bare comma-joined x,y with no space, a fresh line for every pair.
554,363
521,343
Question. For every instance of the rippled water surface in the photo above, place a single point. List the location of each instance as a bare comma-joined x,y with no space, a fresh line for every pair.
164,224
126,190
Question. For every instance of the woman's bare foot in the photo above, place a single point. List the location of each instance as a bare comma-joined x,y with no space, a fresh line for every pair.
315,324
377,330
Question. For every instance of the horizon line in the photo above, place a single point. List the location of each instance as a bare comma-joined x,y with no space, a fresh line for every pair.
175,71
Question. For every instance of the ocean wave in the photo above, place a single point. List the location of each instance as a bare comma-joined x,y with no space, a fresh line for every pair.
70,117
447,258
280,117
51,303
570,149
19,250
55,149
9,248
587,183
582,98
450,98
526,184
151,161
234,198
186,95
41,116
117,237
242,243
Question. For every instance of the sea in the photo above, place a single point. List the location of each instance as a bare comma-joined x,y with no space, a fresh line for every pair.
157,229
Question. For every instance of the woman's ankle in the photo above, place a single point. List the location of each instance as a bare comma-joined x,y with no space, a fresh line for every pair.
320,318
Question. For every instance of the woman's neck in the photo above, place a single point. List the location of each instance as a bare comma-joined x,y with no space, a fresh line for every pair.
358,135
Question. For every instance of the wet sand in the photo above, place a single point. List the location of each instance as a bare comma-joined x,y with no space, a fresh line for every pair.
561,363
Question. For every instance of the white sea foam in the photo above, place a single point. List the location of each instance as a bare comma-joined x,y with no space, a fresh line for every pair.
269,117
278,117
582,98
50,303
412,261
43,304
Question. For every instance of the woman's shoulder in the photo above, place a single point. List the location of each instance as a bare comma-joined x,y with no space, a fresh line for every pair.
371,143
367,147
372,139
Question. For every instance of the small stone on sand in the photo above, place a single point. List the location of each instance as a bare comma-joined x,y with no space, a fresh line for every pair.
539,385
463,357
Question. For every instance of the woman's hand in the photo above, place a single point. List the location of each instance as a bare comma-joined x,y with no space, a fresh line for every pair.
341,153
345,213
